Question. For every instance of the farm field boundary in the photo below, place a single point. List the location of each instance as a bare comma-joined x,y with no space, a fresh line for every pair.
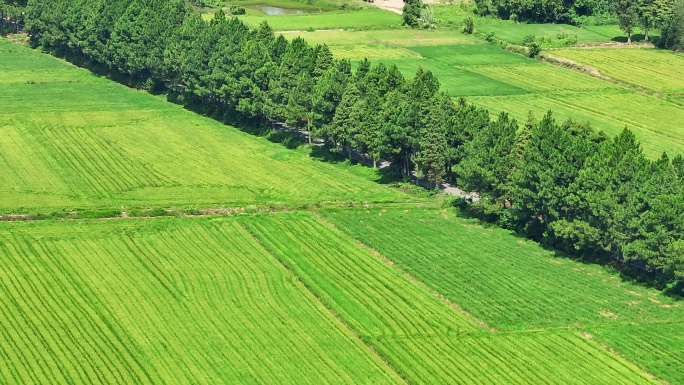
586,69
440,343
165,301
513,284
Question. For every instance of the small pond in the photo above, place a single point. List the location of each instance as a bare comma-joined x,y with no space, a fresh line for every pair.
274,11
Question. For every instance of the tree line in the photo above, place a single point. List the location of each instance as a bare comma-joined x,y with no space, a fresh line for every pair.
12,14
665,15
562,184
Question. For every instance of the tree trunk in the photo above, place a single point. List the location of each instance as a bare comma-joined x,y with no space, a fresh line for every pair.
646,35
308,129
629,38
375,163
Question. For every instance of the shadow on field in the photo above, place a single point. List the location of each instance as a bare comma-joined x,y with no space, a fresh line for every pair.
637,38
634,272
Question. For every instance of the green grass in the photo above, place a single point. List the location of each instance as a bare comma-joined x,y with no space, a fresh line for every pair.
510,283
656,347
426,340
514,285
467,55
164,301
455,81
453,15
655,70
370,18
71,140
308,6
393,38
614,33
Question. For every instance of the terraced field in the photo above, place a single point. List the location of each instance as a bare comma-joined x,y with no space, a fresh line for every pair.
514,285
656,70
71,140
163,301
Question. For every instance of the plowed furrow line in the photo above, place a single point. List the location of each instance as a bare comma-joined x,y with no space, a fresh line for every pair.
34,340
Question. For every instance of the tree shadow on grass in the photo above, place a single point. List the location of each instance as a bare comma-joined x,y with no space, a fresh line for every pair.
637,38
632,272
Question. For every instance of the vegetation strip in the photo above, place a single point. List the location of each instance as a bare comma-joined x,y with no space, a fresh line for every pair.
410,277
330,310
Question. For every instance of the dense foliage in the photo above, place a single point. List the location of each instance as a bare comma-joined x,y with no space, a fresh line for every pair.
12,13
666,15
562,184
546,11
672,28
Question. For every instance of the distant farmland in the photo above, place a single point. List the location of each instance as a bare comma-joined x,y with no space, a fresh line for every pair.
654,70
499,80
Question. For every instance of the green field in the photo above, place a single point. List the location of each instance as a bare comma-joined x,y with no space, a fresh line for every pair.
424,338
298,301
655,70
280,268
515,285
164,301
72,140
453,15
370,18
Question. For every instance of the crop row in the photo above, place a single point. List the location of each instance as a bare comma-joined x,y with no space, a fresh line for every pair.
656,70
164,302
509,284
657,347
423,338
372,297
89,142
520,358
544,78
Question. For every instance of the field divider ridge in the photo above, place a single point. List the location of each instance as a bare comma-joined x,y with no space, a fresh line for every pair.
420,283
588,70
332,312
586,335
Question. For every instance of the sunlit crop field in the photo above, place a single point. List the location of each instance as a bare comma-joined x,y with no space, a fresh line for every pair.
657,122
514,285
71,140
424,338
163,301
656,70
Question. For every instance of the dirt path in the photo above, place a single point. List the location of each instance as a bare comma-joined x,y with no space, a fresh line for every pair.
396,5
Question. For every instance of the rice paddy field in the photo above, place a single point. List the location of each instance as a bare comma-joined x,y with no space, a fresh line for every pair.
344,281
296,298
655,70
164,302
514,286
71,140
370,18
